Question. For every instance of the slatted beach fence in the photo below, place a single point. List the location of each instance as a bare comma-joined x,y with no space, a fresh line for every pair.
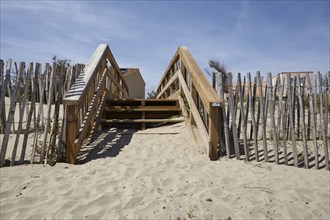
282,119
33,94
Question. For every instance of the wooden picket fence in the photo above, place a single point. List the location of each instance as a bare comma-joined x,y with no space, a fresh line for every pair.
281,120
38,94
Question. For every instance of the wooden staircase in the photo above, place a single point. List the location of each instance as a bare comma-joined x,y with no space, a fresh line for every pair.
141,113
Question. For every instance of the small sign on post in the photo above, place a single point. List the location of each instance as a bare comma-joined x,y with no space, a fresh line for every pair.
215,104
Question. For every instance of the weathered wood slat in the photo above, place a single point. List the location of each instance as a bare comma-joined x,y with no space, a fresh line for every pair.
272,115
2,96
290,98
3,86
253,119
263,118
42,83
21,114
242,116
47,126
233,116
11,111
224,116
323,121
302,121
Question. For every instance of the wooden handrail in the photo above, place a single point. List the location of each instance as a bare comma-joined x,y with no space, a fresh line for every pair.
101,76
183,75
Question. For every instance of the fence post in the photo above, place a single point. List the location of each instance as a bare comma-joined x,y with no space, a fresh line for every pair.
263,118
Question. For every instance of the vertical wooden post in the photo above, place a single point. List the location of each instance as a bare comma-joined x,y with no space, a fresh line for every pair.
213,124
272,100
19,129
242,116
253,119
29,118
10,113
225,122
233,115
50,97
284,123
322,122
2,98
291,119
263,119
71,132
302,121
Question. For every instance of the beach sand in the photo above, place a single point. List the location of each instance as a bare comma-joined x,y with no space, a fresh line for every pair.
158,174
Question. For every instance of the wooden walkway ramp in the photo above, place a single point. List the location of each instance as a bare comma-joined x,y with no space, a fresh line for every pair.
99,98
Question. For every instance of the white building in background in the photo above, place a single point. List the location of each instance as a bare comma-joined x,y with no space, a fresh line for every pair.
135,82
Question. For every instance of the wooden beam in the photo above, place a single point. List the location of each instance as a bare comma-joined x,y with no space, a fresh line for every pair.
168,120
169,83
195,113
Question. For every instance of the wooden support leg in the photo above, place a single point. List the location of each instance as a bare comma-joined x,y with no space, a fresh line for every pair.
72,128
213,132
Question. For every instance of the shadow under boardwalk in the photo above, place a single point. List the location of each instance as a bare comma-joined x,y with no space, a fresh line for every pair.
108,143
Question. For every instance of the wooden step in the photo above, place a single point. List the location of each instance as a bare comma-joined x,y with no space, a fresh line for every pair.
168,120
142,109
142,102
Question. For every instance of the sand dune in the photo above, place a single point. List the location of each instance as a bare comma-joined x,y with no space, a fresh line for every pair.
157,175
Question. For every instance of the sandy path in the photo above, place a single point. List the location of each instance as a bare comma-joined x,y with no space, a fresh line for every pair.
161,176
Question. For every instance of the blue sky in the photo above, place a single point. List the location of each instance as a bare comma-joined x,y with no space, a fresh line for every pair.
247,36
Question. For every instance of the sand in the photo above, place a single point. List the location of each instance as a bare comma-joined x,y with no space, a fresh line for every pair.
158,174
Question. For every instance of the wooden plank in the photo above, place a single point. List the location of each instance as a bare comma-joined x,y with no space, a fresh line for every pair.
302,121
202,85
87,123
21,114
240,96
224,117
194,111
45,134
290,98
115,82
323,121
263,119
232,111
169,120
71,133
242,116
60,136
284,116
253,119
40,111
11,111
99,114
272,115
168,84
29,117
213,127
2,96
254,95
142,108
11,92
143,115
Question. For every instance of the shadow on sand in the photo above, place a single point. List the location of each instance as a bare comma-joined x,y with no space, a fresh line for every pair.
107,143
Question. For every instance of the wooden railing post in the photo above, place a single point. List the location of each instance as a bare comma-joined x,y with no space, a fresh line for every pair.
213,131
71,132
